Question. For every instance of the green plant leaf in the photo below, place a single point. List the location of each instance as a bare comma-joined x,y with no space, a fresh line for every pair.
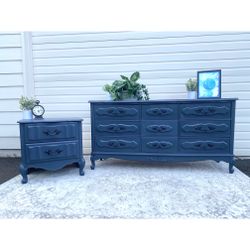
135,76
118,83
27,103
124,78
127,87
191,84
107,88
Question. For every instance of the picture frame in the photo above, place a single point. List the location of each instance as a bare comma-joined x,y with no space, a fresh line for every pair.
209,84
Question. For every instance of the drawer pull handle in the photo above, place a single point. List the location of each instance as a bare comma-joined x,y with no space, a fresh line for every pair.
119,111
159,144
159,111
52,133
159,128
120,144
205,110
53,152
117,128
204,145
205,128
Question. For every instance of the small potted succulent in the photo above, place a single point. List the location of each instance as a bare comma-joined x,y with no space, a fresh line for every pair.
191,87
26,104
127,89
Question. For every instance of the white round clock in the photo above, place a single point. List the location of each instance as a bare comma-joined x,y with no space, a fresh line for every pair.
38,110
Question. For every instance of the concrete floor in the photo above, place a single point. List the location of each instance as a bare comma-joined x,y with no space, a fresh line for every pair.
9,168
125,189
243,165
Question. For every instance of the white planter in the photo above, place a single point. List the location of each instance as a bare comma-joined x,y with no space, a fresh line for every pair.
191,94
130,99
125,98
108,96
27,114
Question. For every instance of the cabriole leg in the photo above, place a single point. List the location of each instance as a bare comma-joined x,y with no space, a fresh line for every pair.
92,160
81,166
23,172
231,167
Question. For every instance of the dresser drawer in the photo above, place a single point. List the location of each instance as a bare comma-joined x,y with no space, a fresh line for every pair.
159,112
205,110
117,144
50,131
52,151
117,128
159,145
204,146
205,128
117,112
159,128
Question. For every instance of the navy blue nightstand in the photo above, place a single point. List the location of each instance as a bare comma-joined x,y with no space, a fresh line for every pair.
50,144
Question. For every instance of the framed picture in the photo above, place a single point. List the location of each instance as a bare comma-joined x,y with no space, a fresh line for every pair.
209,84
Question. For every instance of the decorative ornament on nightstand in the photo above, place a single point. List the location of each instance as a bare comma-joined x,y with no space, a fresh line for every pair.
26,105
38,110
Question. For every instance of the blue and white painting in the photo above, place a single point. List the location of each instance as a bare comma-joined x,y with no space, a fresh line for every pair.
209,84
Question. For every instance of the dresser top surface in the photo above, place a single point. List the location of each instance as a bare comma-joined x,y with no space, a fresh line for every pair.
166,101
45,120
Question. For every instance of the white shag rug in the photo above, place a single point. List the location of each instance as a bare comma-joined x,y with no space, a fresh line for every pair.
128,189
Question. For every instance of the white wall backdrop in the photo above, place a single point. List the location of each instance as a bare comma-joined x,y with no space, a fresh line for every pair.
11,87
71,68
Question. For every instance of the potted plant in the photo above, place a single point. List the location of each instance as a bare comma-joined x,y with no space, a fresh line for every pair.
26,104
127,88
191,86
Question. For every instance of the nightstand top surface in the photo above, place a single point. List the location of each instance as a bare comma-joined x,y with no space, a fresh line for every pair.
69,119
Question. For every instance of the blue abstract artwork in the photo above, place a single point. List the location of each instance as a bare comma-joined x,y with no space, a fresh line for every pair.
209,84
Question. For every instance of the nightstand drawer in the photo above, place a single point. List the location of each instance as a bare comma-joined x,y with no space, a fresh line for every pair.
117,144
159,112
209,128
205,110
158,145
117,128
204,146
117,112
50,131
52,151
159,128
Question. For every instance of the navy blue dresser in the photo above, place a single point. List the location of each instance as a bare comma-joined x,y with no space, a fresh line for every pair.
164,130
50,144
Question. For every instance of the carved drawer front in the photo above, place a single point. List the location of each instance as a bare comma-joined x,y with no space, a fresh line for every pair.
50,131
159,128
204,146
159,145
159,112
117,112
52,151
117,128
205,110
205,128
117,144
